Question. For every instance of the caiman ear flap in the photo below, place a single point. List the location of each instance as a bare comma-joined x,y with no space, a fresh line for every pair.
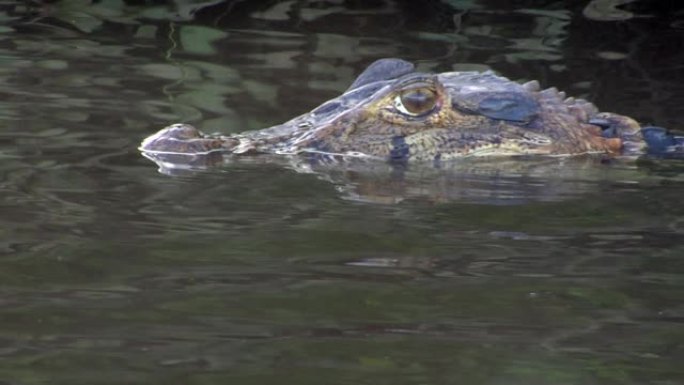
383,69
505,106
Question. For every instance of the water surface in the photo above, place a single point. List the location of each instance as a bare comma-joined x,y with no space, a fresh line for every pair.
264,273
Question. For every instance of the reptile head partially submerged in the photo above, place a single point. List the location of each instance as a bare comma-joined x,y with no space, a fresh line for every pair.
394,113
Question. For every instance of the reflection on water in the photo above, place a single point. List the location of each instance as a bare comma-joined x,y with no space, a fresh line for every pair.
258,272
514,180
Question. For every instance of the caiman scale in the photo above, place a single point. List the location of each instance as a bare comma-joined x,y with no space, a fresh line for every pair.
393,113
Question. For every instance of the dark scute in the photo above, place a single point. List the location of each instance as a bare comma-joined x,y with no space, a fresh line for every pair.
608,129
400,149
437,160
601,122
510,107
383,69
659,140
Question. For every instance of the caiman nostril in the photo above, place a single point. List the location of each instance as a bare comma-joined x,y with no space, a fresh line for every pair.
183,131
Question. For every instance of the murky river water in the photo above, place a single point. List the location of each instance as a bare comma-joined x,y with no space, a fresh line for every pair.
112,272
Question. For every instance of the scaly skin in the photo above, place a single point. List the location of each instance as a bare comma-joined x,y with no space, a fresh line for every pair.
393,113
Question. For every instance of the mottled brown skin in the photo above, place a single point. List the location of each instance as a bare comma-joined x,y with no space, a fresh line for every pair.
426,118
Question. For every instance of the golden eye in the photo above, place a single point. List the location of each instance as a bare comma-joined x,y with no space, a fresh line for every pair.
415,102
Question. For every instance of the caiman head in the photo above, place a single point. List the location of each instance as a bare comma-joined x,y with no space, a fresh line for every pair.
394,113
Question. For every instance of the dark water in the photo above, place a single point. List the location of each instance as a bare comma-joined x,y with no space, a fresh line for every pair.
262,273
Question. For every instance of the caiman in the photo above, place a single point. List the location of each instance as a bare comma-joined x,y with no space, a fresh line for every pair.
393,113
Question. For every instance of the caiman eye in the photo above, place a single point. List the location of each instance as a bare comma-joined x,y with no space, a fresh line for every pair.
416,102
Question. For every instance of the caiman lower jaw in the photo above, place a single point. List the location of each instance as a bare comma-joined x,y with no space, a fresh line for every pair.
501,150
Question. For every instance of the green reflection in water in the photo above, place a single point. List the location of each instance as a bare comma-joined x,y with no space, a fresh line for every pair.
198,40
112,273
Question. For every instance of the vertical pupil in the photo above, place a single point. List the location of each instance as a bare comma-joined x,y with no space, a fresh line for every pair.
417,101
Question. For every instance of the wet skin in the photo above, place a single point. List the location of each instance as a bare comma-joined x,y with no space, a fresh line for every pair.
393,113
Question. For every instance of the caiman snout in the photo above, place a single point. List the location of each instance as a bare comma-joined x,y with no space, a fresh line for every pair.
185,139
